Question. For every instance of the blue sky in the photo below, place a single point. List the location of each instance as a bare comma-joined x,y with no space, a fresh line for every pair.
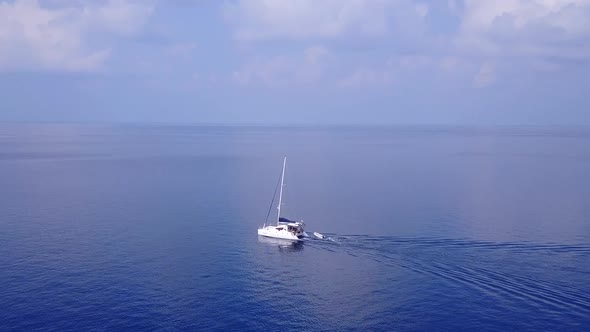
296,62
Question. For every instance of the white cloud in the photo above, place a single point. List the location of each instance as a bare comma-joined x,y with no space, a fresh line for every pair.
256,20
364,76
304,68
421,9
54,35
481,39
341,24
181,50
545,28
124,17
269,71
412,62
315,54
541,28
449,63
452,4
485,76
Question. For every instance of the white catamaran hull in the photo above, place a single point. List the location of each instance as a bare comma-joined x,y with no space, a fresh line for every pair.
272,231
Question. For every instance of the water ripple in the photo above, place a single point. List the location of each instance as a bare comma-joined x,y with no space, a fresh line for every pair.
433,256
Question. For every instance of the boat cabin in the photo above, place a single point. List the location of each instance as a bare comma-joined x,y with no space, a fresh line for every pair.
291,227
294,228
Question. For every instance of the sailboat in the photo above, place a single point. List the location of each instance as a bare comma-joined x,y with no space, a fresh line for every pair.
284,228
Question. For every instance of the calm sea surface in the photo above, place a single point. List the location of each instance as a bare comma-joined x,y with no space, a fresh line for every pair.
107,227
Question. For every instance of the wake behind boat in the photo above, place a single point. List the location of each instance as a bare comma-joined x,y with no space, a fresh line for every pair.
284,228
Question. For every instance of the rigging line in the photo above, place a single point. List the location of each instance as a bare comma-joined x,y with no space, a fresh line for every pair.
273,198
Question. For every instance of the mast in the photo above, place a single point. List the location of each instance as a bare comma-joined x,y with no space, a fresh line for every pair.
281,191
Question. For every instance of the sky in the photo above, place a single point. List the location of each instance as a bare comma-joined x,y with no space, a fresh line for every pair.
457,62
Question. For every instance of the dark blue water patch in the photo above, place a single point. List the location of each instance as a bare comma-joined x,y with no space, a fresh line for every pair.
457,261
154,228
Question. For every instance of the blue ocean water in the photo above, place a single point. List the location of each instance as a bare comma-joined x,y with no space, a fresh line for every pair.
153,227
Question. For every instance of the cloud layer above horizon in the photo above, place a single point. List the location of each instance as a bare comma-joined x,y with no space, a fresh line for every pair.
305,61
